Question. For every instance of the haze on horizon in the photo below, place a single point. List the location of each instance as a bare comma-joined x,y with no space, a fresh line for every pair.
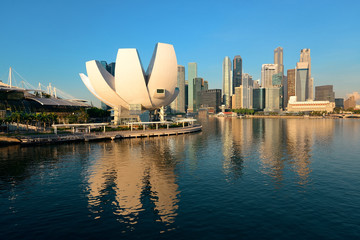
51,41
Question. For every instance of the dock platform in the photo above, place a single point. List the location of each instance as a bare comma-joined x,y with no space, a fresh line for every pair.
98,136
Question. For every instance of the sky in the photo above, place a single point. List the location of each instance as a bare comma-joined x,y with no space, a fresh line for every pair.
50,41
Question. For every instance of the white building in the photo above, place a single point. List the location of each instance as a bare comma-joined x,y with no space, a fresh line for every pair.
132,88
309,106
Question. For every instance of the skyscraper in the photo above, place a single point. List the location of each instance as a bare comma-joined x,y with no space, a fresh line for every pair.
305,57
192,73
350,103
272,99
198,82
211,99
302,81
278,59
237,72
237,102
247,94
267,71
178,105
259,98
227,88
324,93
290,85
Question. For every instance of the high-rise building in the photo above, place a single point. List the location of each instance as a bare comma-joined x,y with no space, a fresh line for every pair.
111,68
305,57
324,93
285,92
267,71
256,83
211,99
186,95
192,74
237,101
272,99
350,103
178,105
259,99
339,102
290,85
302,81
227,88
205,86
277,79
198,82
104,64
278,59
247,94
237,72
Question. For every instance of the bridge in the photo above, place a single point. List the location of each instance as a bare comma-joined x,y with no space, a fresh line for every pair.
345,115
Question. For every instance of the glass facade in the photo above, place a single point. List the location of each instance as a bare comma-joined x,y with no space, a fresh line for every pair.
237,72
302,77
259,98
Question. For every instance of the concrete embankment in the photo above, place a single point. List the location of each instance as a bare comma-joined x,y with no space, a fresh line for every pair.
8,141
53,138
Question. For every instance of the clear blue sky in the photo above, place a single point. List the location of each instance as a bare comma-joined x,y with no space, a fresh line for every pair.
50,41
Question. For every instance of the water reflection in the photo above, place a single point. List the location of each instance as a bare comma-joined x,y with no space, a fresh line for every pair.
282,145
139,172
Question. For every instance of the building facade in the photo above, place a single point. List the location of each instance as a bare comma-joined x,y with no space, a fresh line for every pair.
211,99
198,83
247,94
302,81
237,98
178,105
192,74
259,99
267,71
324,93
339,102
305,57
309,106
350,103
237,72
227,87
278,60
272,99
290,85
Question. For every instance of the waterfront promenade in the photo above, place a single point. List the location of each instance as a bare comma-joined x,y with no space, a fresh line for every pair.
97,136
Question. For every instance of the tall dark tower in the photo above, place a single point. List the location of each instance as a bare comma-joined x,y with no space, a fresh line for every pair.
237,72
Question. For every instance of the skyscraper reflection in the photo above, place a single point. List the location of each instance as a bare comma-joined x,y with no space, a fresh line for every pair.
282,145
141,169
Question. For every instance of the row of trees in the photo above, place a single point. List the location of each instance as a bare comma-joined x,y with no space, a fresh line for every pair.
244,111
47,119
30,119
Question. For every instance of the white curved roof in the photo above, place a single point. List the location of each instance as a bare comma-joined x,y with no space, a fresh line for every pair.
131,85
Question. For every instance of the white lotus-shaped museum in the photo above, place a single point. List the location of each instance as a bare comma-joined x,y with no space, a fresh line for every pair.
131,85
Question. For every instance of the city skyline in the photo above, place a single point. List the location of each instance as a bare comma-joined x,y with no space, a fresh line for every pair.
43,46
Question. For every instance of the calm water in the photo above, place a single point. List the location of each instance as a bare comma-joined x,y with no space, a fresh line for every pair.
238,179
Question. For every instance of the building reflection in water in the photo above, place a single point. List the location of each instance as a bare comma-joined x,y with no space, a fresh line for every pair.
282,145
137,171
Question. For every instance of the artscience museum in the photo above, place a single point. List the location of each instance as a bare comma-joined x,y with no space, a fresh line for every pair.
132,90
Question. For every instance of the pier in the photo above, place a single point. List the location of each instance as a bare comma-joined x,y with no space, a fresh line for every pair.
111,135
